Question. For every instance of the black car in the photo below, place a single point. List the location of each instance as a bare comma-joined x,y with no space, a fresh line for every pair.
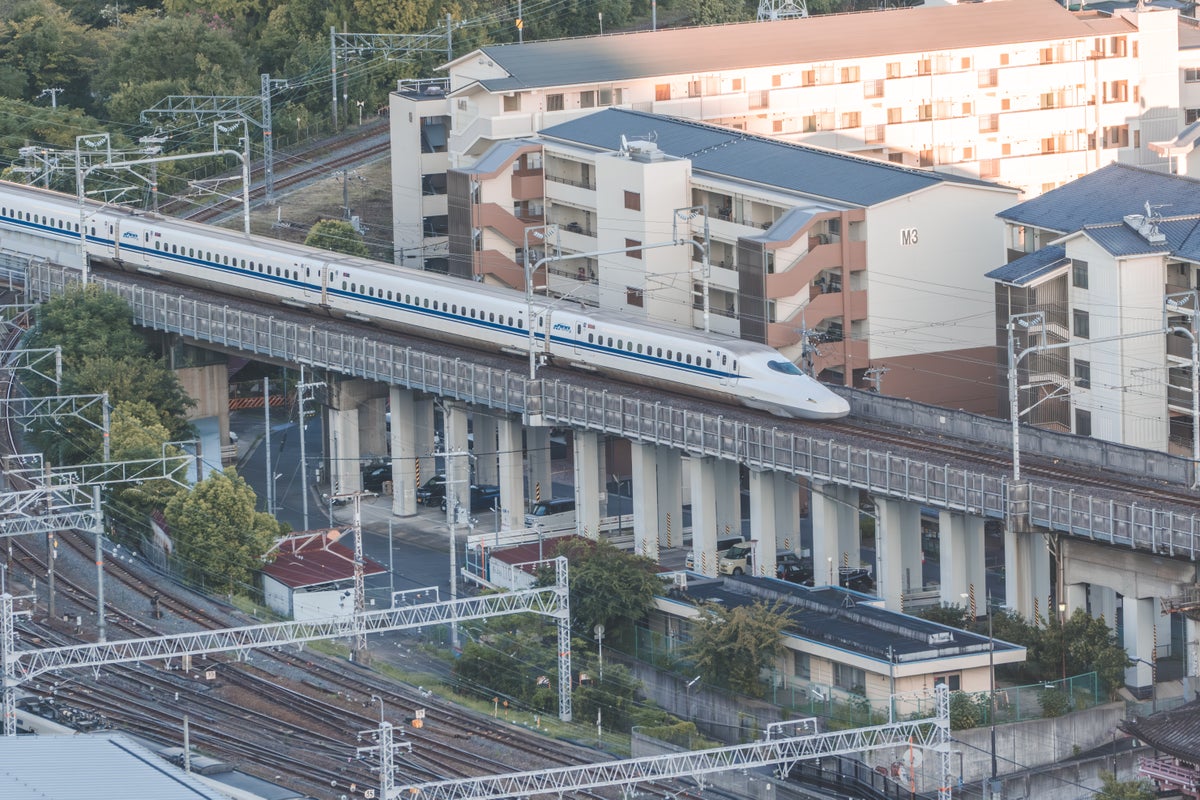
794,569
433,491
483,498
374,477
857,579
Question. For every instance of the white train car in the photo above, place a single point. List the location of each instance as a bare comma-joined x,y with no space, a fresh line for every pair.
611,343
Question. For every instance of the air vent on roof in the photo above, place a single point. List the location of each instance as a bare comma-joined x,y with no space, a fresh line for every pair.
941,637
644,151
1147,225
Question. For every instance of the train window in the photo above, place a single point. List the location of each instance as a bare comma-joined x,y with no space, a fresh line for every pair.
658,352
689,358
591,337
277,271
226,260
407,298
724,359
156,245
191,254
174,249
207,256
620,344
425,302
734,365
389,294
491,316
454,308
786,367
639,348
243,263
76,227
670,356
43,219
708,363
610,341
343,286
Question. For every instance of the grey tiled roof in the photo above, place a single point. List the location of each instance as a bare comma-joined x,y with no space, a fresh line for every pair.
804,169
1107,195
712,49
1028,268
1175,732
1119,239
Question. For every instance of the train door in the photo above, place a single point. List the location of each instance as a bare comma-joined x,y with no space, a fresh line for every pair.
725,365
323,281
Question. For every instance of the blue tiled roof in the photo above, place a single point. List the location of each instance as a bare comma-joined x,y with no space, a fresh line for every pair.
804,169
1029,268
1107,195
1119,239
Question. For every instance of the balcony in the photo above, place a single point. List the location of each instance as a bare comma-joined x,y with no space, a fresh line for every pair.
801,273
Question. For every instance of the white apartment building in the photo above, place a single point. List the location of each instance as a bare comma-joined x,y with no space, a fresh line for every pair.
1095,260
885,262
1022,92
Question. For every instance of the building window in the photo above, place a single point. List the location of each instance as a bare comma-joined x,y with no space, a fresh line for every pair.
1079,273
967,109
1046,55
966,62
873,134
925,66
694,89
951,682
1083,374
925,111
587,99
554,102
1004,59
512,102
989,168
893,69
662,91
1116,91
1191,75
605,97
633,253
849,74
801,666
968,154
989,123
760,99
1083,422
852,119
852,679
1116,136
633,201
1006,149
895,116
777,126
1190,115
1081,322
987,78
873,88
1006,104
736,85
925,158
633,296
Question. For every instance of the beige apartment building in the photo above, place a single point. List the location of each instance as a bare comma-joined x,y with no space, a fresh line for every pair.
1021,92
884,264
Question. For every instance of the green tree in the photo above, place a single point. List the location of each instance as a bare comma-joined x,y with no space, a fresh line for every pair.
86,323
1114,789
40,47
609,587
338,236
219,538
1081,644
716,12
137,434
732,647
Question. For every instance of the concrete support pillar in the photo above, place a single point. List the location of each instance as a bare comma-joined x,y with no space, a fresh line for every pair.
961,539
763,531
728,495
458,467
537,454
1077,597
589,483
643,461
372,427
897,550
704,515
669,473
1027,574
404,451
487,468
1191,657
1104,604
425,431
345,470
511,478
1138,622
787,513
836,534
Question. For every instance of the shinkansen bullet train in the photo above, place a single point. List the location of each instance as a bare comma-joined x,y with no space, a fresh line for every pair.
47,223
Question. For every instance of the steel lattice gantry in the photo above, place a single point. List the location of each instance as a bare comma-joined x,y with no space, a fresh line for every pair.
23,665
932,733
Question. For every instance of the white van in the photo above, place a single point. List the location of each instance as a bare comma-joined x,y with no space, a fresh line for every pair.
723,544
556,514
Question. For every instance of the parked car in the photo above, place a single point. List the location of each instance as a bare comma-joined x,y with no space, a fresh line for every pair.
483,498
857,579
432,491
375,476
792,568
552,514
723,544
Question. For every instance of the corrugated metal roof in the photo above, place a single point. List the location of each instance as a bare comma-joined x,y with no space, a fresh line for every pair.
1028,269
498,155
829,37
92,767
1107,195
316,561
799,168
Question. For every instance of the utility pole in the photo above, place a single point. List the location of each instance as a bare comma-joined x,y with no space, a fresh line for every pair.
54,93
453,509
874,376
302,390
267,443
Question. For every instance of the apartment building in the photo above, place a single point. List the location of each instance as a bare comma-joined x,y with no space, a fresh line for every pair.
1022,92
1091,267
864,253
